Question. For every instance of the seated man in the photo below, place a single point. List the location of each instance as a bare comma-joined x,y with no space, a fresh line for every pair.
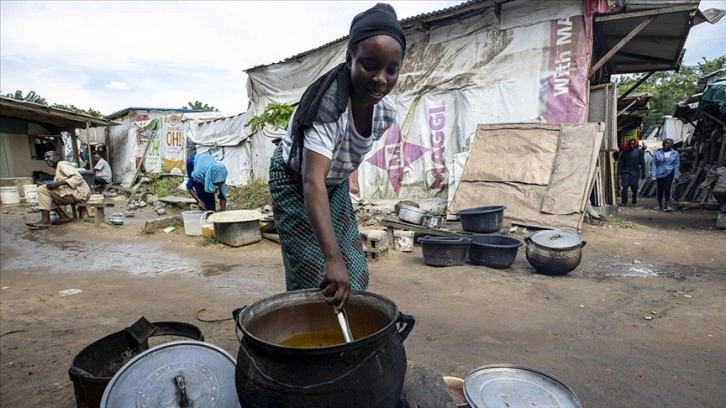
102,172
68,187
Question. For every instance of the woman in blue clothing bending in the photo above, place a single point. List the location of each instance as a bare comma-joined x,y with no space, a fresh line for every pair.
206,175
665,168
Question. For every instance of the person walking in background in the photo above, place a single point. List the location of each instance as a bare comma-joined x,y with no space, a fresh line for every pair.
206,176
102,172
339,118
631,168
665,168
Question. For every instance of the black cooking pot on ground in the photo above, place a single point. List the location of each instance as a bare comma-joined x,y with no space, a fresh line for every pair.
554,252
292,352
494,251
482,220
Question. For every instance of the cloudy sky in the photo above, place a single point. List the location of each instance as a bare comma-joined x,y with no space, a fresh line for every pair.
113,55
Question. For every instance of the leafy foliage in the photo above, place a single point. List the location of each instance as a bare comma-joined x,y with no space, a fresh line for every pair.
35,98
276,115
669,88
255,194
201,106
30,97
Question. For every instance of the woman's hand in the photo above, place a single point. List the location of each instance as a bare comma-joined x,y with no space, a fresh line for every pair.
336,284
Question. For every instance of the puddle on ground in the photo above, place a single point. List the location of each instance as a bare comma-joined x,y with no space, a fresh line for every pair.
217,269
675,271
86,256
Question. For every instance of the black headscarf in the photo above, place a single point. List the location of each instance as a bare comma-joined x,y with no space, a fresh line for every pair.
327,98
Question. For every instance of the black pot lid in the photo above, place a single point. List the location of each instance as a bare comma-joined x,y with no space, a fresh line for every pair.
556,239
515,386
163,376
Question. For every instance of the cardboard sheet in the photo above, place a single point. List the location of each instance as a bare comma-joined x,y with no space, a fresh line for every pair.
535,194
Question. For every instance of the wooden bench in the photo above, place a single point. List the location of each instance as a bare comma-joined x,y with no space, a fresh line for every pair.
99,209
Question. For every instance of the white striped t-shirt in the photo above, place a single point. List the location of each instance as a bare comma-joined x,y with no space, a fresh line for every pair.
341,143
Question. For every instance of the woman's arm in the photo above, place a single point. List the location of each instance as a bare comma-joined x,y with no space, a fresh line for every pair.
336,279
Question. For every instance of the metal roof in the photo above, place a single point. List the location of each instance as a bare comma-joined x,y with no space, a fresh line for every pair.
123,112
42,114
424,20
654,33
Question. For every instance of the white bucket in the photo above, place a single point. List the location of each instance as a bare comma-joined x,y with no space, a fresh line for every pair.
9,195
403,240
30,191
192,222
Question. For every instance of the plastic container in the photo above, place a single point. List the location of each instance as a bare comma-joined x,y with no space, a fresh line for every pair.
482,220
207,226
192,222
30,192
494,251
88,176
444,251
403,240
9,195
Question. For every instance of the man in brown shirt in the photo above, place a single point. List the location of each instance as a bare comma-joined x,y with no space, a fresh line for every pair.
68,187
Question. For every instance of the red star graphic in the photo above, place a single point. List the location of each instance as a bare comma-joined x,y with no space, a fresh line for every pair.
396,162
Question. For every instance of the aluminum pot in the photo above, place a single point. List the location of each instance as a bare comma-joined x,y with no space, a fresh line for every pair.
411,214
554,252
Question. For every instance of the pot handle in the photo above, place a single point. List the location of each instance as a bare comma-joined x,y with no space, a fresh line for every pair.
424,237
583,243
527,239
236,313
405,324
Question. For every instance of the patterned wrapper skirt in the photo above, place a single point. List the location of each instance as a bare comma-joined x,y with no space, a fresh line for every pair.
301,253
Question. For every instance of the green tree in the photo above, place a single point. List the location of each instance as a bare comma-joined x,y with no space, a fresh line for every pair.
74,109
201,106
30,97
275,114
669,88
35,98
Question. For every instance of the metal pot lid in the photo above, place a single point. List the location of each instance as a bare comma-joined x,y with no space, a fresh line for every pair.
516,386
235,216
173,374
556,239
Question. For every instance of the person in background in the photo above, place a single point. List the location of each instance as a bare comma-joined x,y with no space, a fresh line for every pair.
339,118
631,168
68,187
207,176
102,172
665,168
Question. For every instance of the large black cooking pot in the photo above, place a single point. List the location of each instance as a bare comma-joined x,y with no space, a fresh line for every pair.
554,252
366,373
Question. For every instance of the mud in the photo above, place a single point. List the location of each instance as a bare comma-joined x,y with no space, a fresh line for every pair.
640,323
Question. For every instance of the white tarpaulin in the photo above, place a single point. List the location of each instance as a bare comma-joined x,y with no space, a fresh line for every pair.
542,173
454,77
226,139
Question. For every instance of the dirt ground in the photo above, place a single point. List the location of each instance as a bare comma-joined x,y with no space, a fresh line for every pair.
640,323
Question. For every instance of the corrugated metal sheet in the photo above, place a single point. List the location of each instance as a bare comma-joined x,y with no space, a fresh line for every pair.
435,17
658,47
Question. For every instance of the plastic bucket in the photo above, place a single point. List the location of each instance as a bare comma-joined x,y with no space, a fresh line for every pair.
30,191
403,240
9,195
192,222
207,226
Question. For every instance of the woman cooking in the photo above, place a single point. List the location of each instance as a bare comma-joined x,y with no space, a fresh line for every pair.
339,118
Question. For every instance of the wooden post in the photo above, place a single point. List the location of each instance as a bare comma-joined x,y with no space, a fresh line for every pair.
74,143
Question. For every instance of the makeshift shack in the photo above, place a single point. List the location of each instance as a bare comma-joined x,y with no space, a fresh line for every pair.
489,62
28,130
